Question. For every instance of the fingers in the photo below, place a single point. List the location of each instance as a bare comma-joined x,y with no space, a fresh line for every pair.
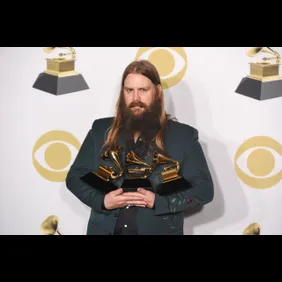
142,191
136,203
134,194
125,197
117,192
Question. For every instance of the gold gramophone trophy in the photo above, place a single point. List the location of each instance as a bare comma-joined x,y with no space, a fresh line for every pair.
170,182
50,226
138,176
103,179
110,173
263,81
60,76
138,172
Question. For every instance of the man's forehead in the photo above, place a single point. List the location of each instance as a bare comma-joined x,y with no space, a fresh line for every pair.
137,85
137,80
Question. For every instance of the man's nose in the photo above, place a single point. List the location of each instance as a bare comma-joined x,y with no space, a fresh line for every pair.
136,96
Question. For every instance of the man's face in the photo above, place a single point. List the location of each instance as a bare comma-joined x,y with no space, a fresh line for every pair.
139,93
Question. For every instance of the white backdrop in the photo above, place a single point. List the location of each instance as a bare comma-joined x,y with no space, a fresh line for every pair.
204,98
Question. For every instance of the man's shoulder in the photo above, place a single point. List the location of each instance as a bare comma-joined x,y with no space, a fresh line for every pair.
177,127
102,123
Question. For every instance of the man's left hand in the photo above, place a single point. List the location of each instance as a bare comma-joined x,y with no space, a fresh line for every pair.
149,197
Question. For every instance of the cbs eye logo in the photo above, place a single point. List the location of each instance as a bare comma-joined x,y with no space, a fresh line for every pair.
171,63
54,150
261,156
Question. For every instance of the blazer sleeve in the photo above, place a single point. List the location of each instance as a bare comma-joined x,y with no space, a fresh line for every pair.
84,163
196,171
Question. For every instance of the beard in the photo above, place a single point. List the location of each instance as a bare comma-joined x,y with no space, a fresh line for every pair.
141,120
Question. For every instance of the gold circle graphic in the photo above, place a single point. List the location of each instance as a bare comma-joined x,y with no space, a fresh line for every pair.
164,62
165,66
57,155
260,162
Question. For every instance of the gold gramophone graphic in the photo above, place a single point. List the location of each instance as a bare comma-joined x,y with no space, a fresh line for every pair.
264,70
263,82
108,173
254,51
60,76
252,229
50,226
62,56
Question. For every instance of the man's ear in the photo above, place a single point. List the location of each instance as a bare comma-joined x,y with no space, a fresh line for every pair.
160,89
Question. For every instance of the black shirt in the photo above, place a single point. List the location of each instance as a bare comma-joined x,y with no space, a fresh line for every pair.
126,222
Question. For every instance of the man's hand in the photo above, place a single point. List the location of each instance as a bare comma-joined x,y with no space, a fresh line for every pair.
149,197
118,199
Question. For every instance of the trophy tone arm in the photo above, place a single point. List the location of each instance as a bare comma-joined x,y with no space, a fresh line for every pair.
62,56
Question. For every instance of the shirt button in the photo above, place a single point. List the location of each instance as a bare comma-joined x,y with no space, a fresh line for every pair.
127,207
125,225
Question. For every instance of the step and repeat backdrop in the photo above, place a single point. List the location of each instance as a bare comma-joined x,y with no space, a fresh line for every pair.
51,96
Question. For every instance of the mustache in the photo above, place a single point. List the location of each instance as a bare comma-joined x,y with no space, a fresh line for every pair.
137,104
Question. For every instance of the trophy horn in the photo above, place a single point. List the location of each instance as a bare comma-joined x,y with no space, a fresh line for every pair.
170,172
252,229
161,159
108,173
50,226
138,173
254,51
133,158
48,49
114,157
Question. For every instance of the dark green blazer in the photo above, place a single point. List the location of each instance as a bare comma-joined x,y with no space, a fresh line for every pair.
181,143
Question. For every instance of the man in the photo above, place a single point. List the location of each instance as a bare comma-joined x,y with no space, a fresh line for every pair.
141,127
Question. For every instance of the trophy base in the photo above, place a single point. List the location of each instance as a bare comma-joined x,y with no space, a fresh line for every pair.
260,89
131,185
58,85
173,186
98,183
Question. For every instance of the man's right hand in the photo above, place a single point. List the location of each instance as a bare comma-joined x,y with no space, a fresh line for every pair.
118,199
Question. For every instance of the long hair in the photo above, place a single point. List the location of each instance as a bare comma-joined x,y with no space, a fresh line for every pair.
147,69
